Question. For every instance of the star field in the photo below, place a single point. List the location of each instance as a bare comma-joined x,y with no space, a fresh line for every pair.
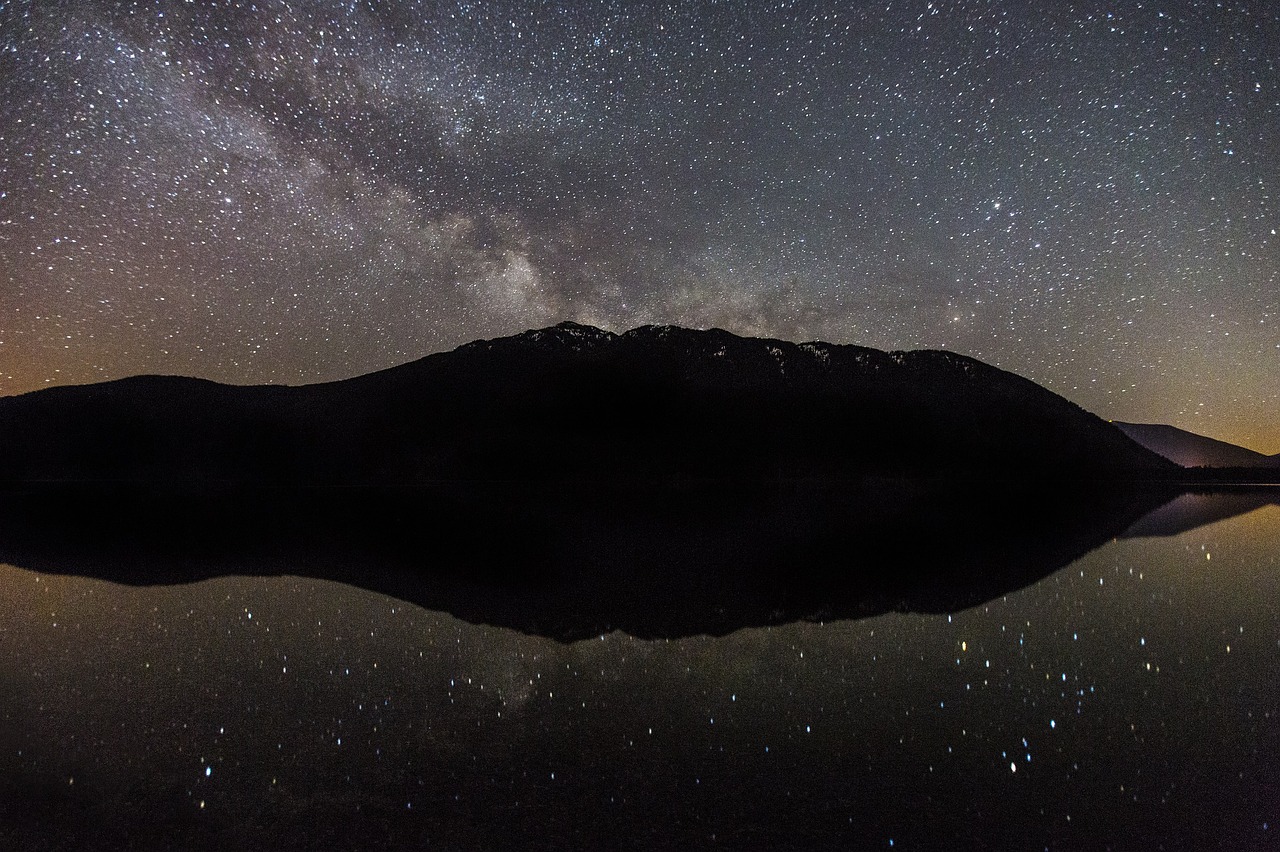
291,192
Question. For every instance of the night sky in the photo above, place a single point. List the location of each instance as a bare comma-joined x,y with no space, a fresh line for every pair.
1079,192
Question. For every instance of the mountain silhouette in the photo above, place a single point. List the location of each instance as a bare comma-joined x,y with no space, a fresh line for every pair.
575,403
1191,450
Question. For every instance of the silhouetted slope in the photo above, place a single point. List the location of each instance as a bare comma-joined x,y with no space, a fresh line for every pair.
574,402
1191,450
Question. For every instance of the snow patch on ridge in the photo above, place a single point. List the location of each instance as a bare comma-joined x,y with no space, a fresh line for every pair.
819,351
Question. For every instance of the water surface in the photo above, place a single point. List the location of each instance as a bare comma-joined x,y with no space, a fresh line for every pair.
1126,701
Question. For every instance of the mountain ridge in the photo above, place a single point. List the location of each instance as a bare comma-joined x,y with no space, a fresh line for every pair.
573,401
1191,450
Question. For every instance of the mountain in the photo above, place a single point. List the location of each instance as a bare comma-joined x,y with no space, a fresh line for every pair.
1191,450
575,403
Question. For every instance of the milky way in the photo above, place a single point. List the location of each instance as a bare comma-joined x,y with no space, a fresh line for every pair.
290,192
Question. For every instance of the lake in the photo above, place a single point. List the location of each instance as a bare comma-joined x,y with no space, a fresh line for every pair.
1129,700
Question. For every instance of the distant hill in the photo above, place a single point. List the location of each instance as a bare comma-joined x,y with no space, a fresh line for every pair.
1191,450
572,402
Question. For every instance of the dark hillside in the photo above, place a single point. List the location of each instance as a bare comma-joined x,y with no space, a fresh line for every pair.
576,403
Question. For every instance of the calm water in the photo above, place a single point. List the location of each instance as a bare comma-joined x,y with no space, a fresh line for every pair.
1128,701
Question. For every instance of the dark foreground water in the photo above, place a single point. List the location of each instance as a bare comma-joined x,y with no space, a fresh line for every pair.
1128,701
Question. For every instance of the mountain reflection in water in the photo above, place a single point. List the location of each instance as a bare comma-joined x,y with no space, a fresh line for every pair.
574,562
1125,701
